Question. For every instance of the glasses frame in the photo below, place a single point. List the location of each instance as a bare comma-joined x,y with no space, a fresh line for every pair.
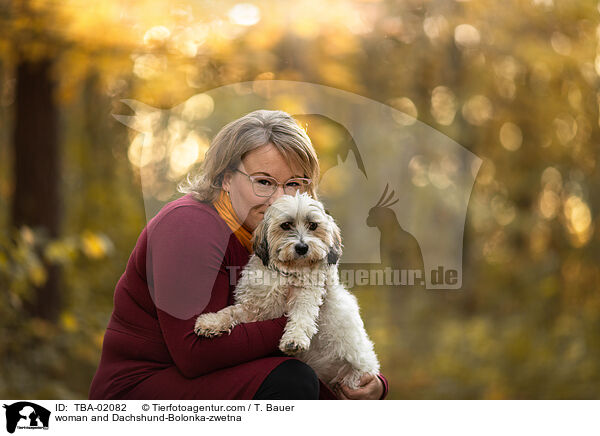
276,183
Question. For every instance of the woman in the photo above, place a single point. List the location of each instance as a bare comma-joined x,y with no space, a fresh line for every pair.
186,262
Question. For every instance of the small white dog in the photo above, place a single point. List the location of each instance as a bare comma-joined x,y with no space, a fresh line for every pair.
294,271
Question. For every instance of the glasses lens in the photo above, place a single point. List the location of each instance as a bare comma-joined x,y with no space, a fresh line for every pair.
294,185
264,186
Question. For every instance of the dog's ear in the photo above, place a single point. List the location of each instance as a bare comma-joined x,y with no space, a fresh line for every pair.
259,242
335,251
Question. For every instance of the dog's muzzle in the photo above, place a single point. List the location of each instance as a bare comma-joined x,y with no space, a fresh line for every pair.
301,248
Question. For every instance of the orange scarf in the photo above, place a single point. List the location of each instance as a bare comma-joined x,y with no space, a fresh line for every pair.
225,209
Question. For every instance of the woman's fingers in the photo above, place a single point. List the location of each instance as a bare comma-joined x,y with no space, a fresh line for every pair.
338,392
368,389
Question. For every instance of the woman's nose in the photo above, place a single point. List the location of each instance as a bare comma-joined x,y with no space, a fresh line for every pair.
278,193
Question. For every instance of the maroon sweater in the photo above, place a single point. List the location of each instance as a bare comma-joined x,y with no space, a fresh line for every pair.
185,262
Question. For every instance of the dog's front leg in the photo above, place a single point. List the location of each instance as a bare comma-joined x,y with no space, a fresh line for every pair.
302,310
215,324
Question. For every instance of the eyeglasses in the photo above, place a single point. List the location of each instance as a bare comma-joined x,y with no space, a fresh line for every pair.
265,186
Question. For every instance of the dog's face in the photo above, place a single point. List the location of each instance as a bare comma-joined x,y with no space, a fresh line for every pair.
296,232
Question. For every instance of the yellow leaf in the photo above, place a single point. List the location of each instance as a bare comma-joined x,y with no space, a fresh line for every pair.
27,235
92,245
68,322
37,274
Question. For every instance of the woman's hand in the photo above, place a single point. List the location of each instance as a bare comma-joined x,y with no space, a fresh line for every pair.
370,388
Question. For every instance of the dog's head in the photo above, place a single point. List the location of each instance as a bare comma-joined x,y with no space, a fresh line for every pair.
296,232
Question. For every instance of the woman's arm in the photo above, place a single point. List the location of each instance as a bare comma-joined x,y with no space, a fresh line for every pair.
187,276
195,356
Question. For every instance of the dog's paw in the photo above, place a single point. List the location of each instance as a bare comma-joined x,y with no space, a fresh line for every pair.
210,325
293,346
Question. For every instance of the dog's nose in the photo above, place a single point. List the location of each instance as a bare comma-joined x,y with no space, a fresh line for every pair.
301,248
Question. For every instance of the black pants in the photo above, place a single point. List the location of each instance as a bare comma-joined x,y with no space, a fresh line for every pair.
291,380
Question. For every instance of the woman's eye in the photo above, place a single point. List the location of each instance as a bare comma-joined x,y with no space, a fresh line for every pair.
293,184
265,182
312,226
286,226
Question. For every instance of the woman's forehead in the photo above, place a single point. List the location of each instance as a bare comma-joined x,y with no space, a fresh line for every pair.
267,159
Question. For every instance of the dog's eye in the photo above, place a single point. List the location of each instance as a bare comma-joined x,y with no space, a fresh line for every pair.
286,226
312,226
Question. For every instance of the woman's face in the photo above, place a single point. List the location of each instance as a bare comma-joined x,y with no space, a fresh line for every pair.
267,161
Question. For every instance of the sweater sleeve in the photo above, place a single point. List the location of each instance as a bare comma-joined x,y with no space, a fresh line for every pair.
386,387
187,276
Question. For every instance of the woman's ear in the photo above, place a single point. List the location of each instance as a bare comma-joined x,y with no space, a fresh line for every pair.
227,180
259,242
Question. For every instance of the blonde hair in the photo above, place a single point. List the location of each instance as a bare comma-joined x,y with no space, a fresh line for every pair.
240,136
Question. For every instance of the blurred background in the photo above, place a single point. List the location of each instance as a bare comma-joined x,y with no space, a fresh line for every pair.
515,82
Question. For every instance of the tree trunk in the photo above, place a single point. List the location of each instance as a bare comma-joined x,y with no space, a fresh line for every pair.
36,199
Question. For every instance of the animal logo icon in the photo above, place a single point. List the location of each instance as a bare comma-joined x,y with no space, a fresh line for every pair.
25,414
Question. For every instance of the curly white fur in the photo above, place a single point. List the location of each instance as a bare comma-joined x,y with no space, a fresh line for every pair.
294,271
